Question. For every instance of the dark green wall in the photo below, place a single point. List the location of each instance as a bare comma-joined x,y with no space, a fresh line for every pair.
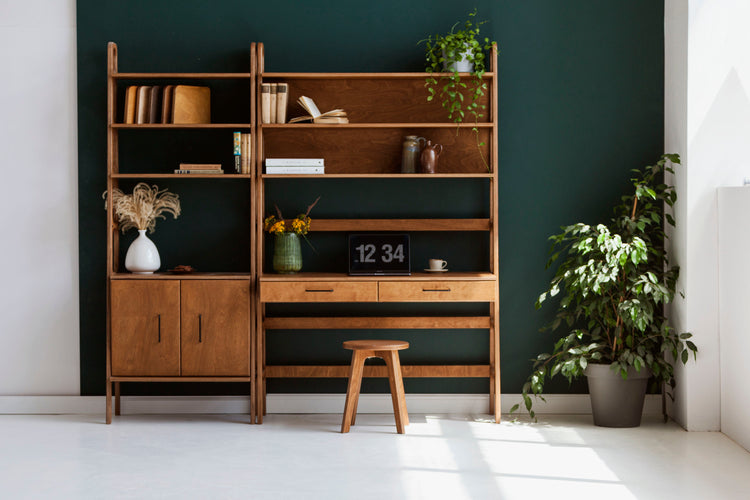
581,103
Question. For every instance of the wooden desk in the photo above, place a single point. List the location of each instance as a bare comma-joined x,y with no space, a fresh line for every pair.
419,287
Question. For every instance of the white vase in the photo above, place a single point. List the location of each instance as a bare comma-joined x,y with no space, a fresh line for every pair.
142,256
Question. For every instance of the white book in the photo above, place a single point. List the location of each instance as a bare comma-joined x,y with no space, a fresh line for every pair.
295,170
294,162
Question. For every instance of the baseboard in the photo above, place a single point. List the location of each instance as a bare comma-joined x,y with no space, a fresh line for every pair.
301,403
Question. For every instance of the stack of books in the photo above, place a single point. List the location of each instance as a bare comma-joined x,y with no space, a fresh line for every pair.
273,102
199,168
167,104
314,114
295,166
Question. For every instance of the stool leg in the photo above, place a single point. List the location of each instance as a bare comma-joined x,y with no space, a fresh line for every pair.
352,391
397,389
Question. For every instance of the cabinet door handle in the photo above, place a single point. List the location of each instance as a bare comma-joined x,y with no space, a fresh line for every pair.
324,291
436,289
158,322
200,328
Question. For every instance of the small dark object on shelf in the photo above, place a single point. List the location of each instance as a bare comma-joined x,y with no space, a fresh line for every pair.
182,270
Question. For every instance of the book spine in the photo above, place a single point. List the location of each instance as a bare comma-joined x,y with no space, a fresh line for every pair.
282,97
198,171
237,151
144,104
243,156
130,98
272,104
295,170
200,166
265,103
295,162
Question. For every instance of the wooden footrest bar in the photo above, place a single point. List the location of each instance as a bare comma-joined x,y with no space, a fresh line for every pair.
379,322
342,371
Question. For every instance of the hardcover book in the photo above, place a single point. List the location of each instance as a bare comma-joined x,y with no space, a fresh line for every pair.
166,105
295,162
131,96
191,104
143,106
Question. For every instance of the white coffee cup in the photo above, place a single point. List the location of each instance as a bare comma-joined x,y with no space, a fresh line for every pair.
438,264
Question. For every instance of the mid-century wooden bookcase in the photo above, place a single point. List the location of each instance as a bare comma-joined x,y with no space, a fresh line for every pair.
382,109
166,327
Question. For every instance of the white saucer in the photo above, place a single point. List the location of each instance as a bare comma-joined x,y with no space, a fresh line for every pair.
436,270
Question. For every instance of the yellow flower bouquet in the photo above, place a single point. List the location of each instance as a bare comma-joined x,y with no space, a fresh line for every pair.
287,256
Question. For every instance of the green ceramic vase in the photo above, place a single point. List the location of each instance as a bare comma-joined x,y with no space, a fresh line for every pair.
287,254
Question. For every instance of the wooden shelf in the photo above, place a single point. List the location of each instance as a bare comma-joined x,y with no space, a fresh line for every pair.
378,176
415,276
183,176
180,379
376,323
207,76
176,276
362,76
146,126
407,371
291,126
400,225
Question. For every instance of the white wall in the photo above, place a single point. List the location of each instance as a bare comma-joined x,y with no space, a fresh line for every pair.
710,129
39,333
734,298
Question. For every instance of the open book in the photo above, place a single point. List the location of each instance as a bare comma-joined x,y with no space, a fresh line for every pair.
333,116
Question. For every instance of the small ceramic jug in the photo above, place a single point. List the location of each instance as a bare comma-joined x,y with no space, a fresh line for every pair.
429,158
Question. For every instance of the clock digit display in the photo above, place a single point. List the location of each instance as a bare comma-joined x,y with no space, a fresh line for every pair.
373,254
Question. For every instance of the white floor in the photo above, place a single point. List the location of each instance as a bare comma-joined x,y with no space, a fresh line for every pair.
305,457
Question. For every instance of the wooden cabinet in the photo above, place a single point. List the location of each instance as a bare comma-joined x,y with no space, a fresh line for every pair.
382,109
170,327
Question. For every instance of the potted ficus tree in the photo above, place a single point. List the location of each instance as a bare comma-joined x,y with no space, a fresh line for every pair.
614,280
447,57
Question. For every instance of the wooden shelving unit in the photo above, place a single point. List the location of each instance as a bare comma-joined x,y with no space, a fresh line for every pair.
382,108
167,327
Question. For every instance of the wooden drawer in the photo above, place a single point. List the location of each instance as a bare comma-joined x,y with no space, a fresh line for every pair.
440,291
319,291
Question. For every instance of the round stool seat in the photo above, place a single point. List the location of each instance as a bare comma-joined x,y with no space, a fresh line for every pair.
376,345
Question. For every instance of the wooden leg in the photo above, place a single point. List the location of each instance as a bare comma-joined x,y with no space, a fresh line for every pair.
355,382
108,412
495,360
117,398
356,402
397,389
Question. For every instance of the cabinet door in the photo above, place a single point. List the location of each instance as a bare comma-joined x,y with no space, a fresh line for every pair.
145,328
215,328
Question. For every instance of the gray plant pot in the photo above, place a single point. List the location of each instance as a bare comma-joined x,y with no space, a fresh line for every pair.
616,402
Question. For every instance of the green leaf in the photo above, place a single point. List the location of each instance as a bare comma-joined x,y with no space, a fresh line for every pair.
514,408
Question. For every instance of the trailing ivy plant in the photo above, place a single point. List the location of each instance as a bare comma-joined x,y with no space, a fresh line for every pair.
614,281
442,51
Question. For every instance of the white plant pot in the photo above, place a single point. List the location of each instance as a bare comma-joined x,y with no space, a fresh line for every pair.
142,256
462,66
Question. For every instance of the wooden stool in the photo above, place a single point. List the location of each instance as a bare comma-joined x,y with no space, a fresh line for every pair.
388,351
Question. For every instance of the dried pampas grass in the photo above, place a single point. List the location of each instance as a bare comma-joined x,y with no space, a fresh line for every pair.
141,209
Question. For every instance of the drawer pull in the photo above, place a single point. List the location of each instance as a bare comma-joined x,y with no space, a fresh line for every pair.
329,290
436,289
158,316
200,328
